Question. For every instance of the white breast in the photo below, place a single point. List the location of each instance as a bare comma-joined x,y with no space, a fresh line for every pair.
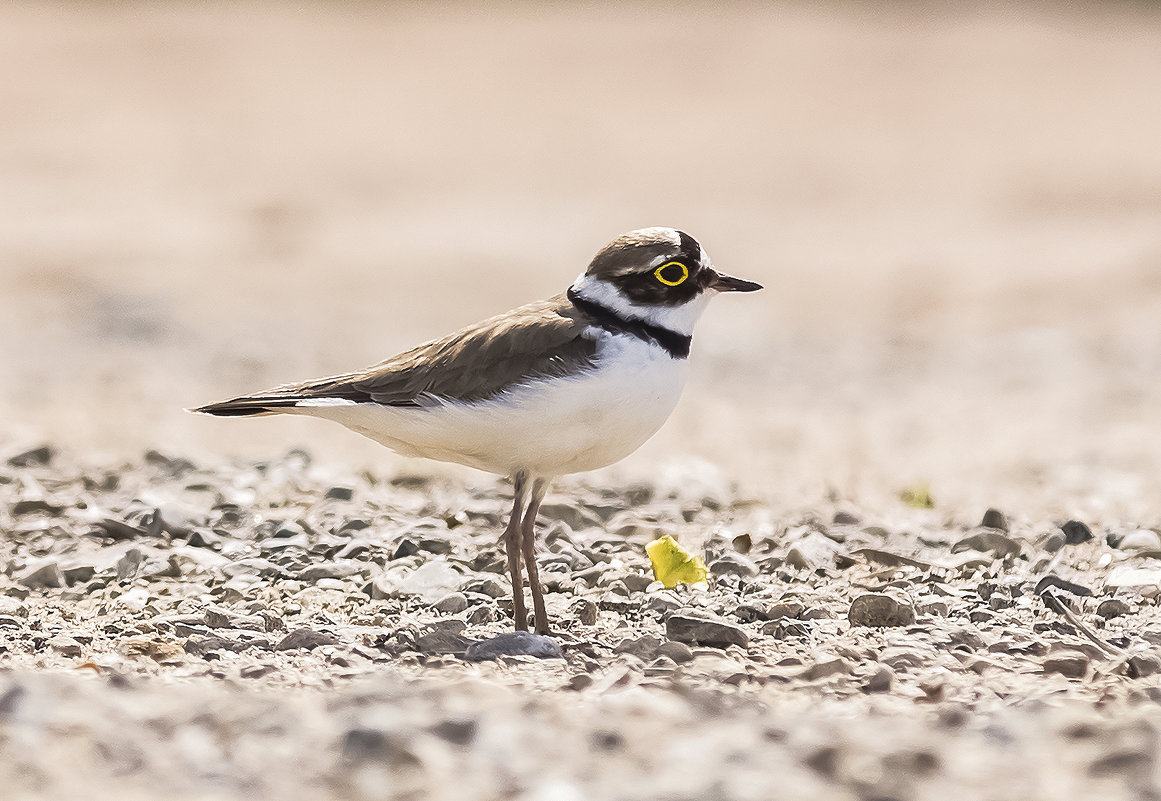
547,427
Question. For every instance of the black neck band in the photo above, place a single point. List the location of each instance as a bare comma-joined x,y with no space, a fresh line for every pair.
675,344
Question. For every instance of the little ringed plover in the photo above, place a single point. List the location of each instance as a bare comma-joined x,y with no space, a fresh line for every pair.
563,385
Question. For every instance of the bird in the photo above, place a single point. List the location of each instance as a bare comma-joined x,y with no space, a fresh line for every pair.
559,386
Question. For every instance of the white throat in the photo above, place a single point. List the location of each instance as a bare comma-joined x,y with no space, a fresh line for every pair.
680,319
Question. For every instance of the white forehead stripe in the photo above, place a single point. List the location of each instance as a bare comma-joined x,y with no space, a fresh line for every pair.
658,232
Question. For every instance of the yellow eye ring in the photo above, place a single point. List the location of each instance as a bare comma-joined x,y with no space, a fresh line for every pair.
684,273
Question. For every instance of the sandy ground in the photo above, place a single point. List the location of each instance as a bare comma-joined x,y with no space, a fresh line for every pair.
955,211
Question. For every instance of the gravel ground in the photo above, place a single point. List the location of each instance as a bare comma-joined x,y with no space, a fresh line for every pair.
954,209
278,630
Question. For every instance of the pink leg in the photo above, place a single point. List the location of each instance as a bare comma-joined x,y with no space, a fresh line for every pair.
539,488
512,547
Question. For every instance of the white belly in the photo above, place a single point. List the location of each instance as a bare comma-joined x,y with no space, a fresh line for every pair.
548,428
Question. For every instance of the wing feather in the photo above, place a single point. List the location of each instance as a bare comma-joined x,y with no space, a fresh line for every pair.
540,340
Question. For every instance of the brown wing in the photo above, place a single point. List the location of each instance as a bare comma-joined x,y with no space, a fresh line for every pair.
539,340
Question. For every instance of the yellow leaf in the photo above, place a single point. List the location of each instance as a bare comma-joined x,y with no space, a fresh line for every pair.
918,496
673,565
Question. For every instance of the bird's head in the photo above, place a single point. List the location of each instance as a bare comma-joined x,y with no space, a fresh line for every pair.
659,275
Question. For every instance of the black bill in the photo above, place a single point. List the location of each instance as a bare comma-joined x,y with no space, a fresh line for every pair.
727,283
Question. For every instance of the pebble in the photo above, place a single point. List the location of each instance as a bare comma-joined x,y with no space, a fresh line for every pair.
783,609
65,645
1076,532
703,631
644,648
813,552
452,603
443,637
43,575
487,586
256,671
989,541
1144,664
584,611
994,518
1072,664
733,564
515,643
1112,607
880,681
826,669
35,457
457,731
1140,540
784,628
880,610
1128,576
679,652
307,639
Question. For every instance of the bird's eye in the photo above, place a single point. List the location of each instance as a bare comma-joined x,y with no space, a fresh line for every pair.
672,273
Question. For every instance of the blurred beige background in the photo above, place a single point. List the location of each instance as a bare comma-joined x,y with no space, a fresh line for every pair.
956,210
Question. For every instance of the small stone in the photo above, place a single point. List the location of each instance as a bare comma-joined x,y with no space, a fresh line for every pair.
374,746
405,547
43,575
1143,664
812,552
1076,532
443,637
1140,540
636,582
844,519
1071,664
487,586
644,648
791,609
1124,762
256,671
223,619
33,458
457,731
704,631
452,603
733,564
822,670
435,545
1113,607
581,681
11,606
207,645
879,610
988,541
515,643
65,645
340,493
307,639
585,611
880,681
1127,576
129,565
994,518
679,652
784,628
158,650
